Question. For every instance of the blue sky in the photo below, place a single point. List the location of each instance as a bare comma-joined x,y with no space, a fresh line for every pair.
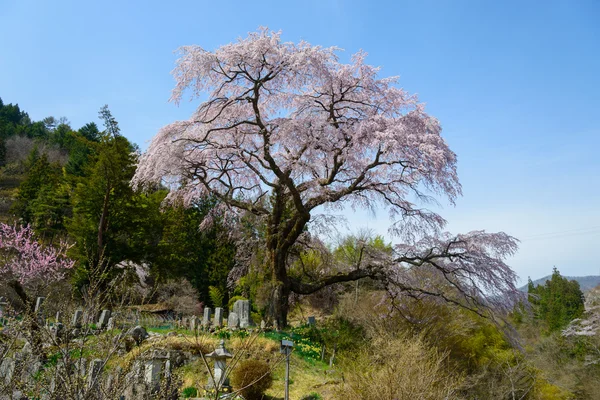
515,85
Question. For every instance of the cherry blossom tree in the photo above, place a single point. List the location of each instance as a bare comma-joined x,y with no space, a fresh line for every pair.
288,131
24,260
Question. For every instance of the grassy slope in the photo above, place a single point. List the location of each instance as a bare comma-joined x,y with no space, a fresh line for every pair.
306,375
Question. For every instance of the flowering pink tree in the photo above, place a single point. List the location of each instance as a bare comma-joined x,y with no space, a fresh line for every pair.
288,130
24,260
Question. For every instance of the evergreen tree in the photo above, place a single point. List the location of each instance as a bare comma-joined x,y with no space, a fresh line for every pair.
111,222
558,302
202,257
41,176
101,195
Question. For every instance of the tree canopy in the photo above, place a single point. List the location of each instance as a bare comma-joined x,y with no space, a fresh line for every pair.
557,302
24,259
288,130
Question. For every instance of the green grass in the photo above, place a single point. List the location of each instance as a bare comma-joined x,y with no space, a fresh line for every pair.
303,346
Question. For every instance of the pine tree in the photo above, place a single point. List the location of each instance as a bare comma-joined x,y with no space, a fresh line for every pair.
558,302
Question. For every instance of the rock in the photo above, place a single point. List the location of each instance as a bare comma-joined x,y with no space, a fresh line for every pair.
138,334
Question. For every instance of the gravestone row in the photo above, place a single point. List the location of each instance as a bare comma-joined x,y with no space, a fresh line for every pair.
239,317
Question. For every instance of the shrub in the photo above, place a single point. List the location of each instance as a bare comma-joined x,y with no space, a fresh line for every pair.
312,396
189,391
253,377
178,294
401,369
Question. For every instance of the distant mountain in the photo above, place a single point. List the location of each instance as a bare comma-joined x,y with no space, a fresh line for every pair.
585,282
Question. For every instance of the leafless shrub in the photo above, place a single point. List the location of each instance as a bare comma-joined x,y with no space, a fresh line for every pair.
398,368
18,149
179,295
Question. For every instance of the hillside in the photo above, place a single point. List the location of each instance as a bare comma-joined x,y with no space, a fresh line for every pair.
585,282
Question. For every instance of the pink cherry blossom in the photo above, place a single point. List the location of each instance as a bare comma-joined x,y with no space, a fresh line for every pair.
288,130
24,259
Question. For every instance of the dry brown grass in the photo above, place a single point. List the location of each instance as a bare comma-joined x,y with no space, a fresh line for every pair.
399,369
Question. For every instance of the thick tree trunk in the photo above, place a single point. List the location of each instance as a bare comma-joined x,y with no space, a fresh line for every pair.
21,293
280,304
282,232
280,291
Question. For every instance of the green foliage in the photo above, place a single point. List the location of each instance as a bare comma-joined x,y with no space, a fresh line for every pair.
15,122
352,248
36,189
202,257
342,333
309,340
50,209
312,396
104,203
216,296
253,377
303,346
188,392
81,152
90,132
558,302
337,333
89,199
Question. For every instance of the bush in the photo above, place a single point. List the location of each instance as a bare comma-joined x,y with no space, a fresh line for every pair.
253,377
178,294
399,368
189,391
312,396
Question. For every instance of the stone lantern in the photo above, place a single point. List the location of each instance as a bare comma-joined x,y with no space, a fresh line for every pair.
220,356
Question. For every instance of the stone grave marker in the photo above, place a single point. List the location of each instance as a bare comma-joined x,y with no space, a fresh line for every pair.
206,318
57,330
242,309
27,349
31,369
218,322
38,304
7,368
193,323
3,305
94,372
152,372
233,321
103,320
77,317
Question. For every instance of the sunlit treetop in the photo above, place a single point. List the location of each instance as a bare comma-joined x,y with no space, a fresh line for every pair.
292,117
